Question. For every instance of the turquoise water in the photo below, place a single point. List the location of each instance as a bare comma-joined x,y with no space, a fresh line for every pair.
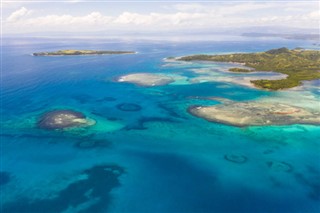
157,159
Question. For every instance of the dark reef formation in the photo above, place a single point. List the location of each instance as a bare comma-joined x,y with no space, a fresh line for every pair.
313,185
84,196
91,143
140,123
106,99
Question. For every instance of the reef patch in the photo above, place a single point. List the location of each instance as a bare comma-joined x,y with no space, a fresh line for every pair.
140,124
89,143
312,183
129,107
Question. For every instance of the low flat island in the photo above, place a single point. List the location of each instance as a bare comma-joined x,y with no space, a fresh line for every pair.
242,114
298,64
82,52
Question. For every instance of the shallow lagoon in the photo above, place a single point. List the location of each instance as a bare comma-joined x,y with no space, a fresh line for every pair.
172,161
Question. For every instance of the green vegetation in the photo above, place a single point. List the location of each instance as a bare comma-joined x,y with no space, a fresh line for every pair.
298,64
237,69
81,52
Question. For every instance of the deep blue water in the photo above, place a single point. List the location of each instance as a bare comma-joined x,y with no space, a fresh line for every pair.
158,159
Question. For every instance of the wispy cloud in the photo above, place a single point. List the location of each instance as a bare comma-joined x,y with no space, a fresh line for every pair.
19,14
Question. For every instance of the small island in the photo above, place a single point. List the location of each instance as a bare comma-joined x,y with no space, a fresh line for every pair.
61,119
242,114
82,52
298,64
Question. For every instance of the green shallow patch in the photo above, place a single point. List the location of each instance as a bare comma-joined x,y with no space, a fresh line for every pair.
104,125
178,79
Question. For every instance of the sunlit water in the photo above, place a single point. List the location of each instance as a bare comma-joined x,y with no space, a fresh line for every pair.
158,158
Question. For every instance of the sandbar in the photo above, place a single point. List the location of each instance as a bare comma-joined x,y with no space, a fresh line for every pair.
146,79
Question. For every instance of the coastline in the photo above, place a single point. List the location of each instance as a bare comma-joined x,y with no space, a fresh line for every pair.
298,64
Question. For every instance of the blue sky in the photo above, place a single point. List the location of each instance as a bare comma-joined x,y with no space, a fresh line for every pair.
89,16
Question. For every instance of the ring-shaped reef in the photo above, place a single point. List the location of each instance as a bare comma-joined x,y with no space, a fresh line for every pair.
236,158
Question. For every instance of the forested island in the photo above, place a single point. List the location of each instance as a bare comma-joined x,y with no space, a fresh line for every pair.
298,64
82,52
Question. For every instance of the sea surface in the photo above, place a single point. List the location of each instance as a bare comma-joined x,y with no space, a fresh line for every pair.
156,158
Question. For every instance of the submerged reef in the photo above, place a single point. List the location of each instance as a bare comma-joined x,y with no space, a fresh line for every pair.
280,166
140,123
243,114
312,183
106,99
146,79
235,158
90,142
60,119
129,107
4,178
90,194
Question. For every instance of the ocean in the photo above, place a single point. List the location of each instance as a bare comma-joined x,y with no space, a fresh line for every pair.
157,157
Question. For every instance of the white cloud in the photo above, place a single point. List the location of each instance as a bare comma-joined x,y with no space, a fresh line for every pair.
19,14
189,16
133,18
